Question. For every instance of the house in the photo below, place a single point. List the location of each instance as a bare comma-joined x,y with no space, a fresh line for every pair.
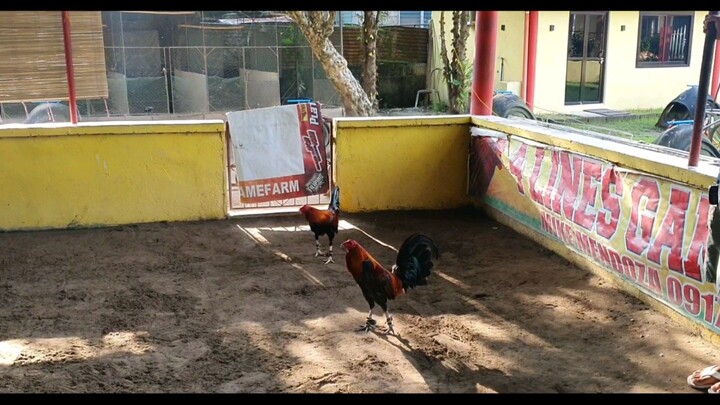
403,18
593,59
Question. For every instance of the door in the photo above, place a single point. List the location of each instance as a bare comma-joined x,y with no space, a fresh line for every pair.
584,79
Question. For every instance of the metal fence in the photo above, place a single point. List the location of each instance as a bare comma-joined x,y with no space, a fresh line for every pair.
190,80
198,62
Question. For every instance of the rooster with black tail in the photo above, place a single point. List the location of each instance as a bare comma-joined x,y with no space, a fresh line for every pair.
324,222
412,267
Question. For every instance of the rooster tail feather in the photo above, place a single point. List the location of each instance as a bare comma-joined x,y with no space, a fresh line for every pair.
414,262
335,200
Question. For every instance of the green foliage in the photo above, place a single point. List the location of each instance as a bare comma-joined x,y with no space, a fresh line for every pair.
465,85
641,127
290,36
439,107
456,72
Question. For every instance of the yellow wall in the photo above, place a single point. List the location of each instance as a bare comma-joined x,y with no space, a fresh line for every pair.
582,262
509,45
626,87
551,65
402,163
670,166
518,210
96,174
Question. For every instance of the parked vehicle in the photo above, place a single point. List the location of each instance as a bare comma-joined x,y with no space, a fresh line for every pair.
510,105
680,137
682,107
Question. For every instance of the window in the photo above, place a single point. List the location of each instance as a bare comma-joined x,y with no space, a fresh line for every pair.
349,17
664,39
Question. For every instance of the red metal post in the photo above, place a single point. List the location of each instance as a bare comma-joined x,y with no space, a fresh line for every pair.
531,59
703,84
523,84
716,72
483,86
69,67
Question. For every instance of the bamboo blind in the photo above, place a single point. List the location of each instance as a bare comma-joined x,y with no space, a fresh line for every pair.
32,56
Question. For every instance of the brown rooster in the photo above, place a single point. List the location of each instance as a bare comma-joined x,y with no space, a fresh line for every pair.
324,222
412,267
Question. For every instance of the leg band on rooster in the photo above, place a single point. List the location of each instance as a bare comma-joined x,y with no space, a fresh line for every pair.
318,252
369,323
329,254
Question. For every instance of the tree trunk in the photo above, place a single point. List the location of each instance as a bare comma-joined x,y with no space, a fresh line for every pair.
455,70
369,75
317,27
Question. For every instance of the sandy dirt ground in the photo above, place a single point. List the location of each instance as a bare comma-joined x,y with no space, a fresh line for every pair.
242,305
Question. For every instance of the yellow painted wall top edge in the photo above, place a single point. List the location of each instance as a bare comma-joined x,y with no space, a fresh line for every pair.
113,127
629,156
419,120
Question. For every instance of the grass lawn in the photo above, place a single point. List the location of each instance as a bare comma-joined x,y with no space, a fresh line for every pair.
639,127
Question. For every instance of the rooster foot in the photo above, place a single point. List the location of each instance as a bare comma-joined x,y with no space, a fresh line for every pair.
390,330
369,325
319,252
329,260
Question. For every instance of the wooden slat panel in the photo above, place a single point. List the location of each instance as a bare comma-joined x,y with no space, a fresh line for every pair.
32,56
400,44
352,45
405,44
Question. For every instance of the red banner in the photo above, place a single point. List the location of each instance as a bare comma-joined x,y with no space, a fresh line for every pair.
647,230
314,153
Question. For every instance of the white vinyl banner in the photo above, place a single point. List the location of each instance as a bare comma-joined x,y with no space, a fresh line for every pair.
279,152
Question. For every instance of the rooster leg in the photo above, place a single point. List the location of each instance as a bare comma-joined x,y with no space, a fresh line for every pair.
369,323
388,317
329,254
318,252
